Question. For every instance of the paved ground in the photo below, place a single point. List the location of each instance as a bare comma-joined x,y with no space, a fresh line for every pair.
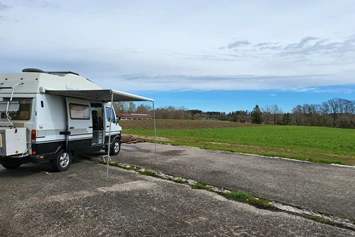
83,202
318,187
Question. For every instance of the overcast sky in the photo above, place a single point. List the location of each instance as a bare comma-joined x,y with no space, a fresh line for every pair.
190,48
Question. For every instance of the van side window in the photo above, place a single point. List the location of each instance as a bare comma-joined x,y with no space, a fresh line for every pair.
109,113
24,112
78,111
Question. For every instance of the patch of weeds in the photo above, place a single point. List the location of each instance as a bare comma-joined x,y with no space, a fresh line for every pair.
130,167
238,196
149,173
97,160
324,221
199,185
93,159
177,180
114,163
180,181
247,198
140,139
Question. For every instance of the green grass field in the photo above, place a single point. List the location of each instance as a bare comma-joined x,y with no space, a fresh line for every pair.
317,144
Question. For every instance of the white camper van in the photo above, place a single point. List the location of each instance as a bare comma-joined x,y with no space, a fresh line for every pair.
54,116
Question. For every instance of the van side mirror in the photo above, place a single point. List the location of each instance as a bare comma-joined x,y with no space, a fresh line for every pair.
117,120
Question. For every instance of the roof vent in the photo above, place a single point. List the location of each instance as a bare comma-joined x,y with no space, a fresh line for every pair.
59,73
32,70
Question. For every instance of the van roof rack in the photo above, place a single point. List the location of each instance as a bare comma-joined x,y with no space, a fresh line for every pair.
59,73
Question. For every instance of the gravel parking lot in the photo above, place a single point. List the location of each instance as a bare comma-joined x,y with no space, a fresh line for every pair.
84,202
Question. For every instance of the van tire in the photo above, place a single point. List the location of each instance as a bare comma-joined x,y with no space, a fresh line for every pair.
62,162
115,147
12,166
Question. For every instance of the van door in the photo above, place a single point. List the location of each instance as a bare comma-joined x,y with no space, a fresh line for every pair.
111,120
97,123
80,127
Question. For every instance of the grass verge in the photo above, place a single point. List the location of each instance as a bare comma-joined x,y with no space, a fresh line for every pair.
315,144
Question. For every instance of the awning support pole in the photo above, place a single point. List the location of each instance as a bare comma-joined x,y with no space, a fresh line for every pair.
109,137
155,130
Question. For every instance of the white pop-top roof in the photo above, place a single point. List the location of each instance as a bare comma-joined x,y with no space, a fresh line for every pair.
99,95
61,83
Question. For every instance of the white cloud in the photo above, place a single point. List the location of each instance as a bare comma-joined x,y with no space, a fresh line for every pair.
204,83
2,6
184,45
238,43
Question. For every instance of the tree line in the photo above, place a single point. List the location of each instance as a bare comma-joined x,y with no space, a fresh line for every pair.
335,112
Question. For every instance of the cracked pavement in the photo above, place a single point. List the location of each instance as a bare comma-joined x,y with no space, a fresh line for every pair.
83,201
318,187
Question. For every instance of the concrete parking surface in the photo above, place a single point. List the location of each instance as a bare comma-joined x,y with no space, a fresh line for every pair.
318,187
84,202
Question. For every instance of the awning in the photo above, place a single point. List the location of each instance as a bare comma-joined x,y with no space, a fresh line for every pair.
98,95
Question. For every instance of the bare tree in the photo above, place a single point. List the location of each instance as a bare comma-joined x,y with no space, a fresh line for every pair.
348,106
334,108
124,107
178,113
276,113
298,115
266,113
119,107
310,112
143,109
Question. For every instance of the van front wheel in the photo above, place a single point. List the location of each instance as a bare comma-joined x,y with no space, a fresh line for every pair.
115,147
62,162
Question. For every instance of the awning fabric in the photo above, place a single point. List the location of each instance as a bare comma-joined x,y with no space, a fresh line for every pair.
98,95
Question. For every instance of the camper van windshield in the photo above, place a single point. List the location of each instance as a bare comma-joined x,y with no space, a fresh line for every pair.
110,115
23,112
